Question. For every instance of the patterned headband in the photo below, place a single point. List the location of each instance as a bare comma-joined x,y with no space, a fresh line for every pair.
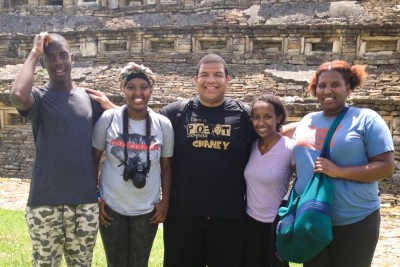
133,68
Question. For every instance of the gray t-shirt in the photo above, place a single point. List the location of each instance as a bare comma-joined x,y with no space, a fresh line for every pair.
63,171
122,196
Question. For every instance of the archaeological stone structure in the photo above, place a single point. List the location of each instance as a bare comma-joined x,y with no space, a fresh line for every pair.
271,46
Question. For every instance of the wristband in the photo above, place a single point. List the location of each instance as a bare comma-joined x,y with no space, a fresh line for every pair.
99,198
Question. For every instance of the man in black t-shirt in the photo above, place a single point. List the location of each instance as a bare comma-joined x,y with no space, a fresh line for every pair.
205,224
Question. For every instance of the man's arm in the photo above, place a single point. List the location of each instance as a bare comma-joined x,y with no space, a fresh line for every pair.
21,90
96,162
104,218
103,100
174,111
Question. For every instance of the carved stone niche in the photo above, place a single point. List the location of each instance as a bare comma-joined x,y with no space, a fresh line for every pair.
9,117
262,45
134,3
53,2
212,44
372,46
16,3
113,46
87,2
166,2
321,46
113,4
24,50
154,2
162,45
75,49
88,47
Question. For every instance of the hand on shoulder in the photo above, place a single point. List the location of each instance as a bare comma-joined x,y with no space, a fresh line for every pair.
101,98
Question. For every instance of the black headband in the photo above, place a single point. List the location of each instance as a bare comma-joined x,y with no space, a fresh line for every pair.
139,75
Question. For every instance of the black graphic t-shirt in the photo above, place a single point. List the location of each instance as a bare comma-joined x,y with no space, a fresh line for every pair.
209,160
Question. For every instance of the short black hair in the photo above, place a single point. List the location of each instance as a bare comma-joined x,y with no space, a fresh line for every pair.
212,58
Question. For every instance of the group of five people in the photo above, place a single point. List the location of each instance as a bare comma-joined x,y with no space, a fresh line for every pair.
213,171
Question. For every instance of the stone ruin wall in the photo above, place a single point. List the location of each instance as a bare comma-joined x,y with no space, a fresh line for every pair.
381,9
263,58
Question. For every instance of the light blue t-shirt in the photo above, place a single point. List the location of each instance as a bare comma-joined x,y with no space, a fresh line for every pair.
361,134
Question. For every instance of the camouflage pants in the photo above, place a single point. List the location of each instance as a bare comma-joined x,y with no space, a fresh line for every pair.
58,230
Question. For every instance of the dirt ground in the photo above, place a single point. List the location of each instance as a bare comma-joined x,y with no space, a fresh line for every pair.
14,194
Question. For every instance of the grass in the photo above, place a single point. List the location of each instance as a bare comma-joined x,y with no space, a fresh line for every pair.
15,247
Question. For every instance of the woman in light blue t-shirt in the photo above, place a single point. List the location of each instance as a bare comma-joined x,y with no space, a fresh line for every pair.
361,154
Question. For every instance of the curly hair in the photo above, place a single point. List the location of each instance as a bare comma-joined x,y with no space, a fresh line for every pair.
133,70
353,75
278,107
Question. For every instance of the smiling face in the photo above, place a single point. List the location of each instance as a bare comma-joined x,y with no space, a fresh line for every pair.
57,60
331,92
211,82
137,93
264,119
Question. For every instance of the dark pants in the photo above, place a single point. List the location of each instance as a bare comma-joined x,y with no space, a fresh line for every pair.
199,242
128,240
260,244
352,245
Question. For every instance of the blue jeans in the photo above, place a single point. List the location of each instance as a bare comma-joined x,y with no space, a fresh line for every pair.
128,239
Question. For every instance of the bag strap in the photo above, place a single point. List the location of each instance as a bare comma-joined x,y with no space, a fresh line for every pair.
293,196
325,153
187,104
125,136
184,105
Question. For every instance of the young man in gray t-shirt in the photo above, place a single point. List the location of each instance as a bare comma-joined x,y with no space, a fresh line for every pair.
62,210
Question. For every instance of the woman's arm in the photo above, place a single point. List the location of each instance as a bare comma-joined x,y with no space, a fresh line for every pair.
163,205
288,129
378,168
166,178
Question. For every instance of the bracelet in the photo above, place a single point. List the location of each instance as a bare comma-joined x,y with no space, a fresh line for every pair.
99,198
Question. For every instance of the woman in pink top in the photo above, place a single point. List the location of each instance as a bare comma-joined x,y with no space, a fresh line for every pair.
267,175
